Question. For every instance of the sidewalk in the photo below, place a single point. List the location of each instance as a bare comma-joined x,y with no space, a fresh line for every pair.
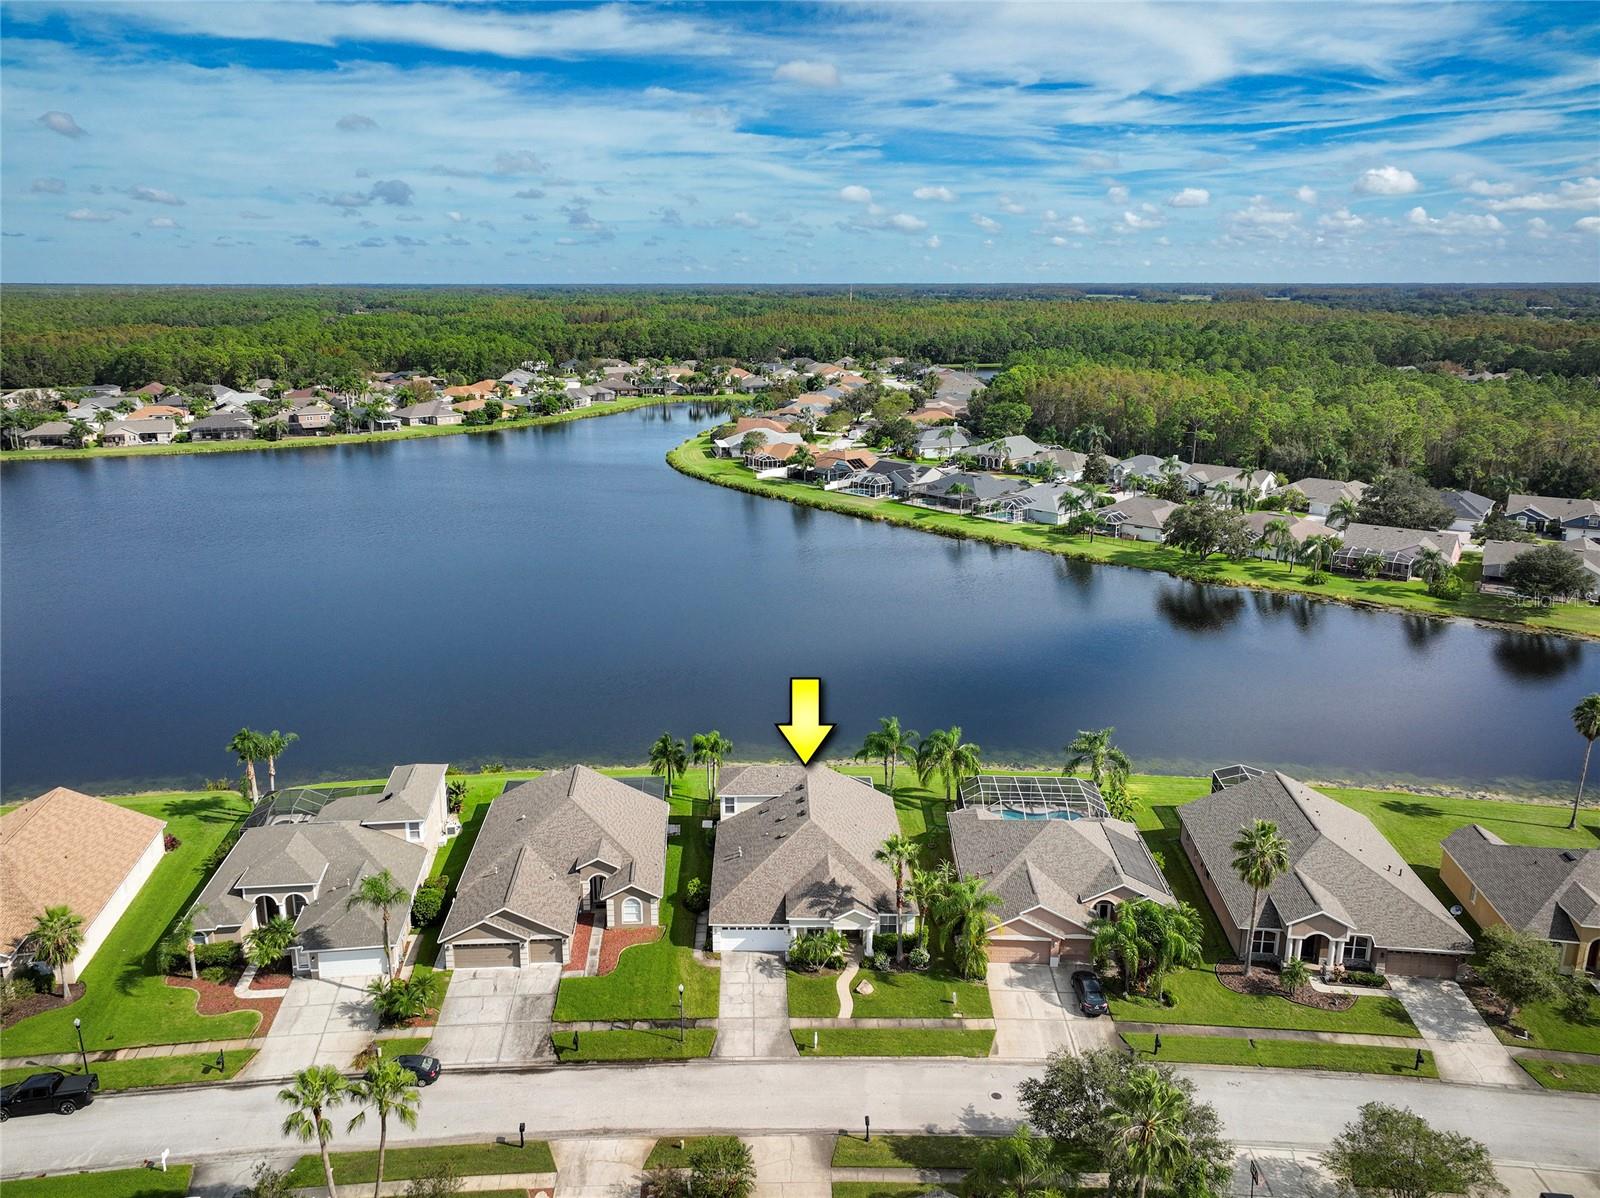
1269,1033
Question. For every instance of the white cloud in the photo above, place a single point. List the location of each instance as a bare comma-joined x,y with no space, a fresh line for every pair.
455,218
52,187
153,195
1100,161
1538,228
355,122
162,222
1190,197
62,123
1306,194
942,194
907,223
1587,224
985,223
1454,222
1132,220
1008,205
89,214
1387,181
1059,241
1342,220
933,242
395,192
1572,193
808,73
855,194
1117,194
743,220
1482,187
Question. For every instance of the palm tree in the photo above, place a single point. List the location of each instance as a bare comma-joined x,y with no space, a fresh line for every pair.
927,885
1260,857
316,1091
1092,438
966,759
889,744
1318,551
1093,751
1179,935
1273,537
273,745
667,756
249,748
1586,719
79,433
1432,565
711,750
802,459
932,755
183,933
1343,513
57,939
269,942
380,890
1146,1122
1018,1166
1070,503
1121,939
898,852
391,1092
964,911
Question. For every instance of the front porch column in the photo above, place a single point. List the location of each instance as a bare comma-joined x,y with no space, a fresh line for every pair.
1293,950
1335,955
867,936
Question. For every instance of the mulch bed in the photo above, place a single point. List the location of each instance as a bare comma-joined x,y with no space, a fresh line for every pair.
276,976
617,939
218,998
1486,1000
37,1004
1265,982
578,959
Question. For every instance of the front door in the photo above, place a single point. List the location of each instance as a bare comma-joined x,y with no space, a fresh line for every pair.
596,885
1311,949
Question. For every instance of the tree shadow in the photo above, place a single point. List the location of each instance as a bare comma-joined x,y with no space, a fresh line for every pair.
1190,607
1412,808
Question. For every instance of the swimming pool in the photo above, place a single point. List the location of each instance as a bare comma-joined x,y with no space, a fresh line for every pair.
1059,813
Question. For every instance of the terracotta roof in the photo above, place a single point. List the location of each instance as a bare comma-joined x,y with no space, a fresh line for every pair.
480,388
49,857
747,424
152,410
152,389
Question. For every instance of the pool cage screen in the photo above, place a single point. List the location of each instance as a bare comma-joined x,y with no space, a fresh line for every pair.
1034,794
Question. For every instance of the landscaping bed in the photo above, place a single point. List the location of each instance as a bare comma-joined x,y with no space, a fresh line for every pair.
218,998
276,976
654,1044
615,940
1265,981
1545,1026
1562,1075
116,1183
894,1042
400,1164
668,1155
1283,1054
38,1003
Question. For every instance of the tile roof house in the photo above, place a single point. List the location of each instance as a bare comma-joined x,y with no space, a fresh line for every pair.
1324,493
803,861
152,389
478,390
1552,516
1398,551
303,853
565,843
69,849
152,411
1348,899
1551,893
1054,878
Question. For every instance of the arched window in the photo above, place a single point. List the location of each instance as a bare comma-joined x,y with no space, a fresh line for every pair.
266,910
295,904
1105,909
632,910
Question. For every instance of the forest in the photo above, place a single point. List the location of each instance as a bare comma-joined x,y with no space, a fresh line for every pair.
1335,381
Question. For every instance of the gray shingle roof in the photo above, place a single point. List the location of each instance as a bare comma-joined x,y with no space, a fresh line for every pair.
405,797
1339,863
1383,538
538,835
747,781
1059,864
1139,510
1552,507
1328,490
1540,890
804,854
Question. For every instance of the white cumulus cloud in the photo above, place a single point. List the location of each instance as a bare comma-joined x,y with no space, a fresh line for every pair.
1573,193
856,194
1387,181
808,72
942,194
1190,197
933,242
985,223
1117,194
62,123
1306,194
1453,222
907,223
1342,220
1007,204
89,214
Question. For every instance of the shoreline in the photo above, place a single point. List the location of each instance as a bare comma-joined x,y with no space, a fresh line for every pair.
1573,621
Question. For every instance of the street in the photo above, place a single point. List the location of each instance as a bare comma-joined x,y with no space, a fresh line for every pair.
1281,1109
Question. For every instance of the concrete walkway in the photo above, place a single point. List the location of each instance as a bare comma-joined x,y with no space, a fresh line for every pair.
497,1016
753,1007
323,1021
846,979
602,1168
792,1166
1464,1048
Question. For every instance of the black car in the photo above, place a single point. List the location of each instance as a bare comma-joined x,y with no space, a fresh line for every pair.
59,1092
425,1068
1091,999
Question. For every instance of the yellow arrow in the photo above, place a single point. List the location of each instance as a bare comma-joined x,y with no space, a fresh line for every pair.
805,731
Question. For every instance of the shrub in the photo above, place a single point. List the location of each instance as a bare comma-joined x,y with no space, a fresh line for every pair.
169,842
13,991
228,954
455,795
215,973
919,958
880,960
1361,977
1294,975
1446,587
696,895
426,906
818,950
224,847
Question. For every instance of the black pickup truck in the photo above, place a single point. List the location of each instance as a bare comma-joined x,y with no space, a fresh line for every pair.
60,1092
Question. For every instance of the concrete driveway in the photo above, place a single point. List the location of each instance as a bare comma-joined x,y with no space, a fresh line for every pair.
321,1022
792,1166
753,1007
1035,1013
1463,1046
604,1168
497,1016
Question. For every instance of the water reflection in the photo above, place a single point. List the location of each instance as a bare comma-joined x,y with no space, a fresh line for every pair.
1302,613
1190,607
1422,631
1528,656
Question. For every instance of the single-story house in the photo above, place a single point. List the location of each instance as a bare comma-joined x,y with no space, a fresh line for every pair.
1555,517
69,849
747,786
964,491
836,467
561,845
1142,469
1138,518
1298,529
1000,454
957,386
1497,555
223,426
1067,463
889,476
942,441
152,389
1348,899
1469,507
1552,893
803,861
157,431
1040,504
1055,877
1203,478
52,434
155,411
518,378
431,411
481,389
303,852
772,459
733,445
934,413
1323,493
1397,550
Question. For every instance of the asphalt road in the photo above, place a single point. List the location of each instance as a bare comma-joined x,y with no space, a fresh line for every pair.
1276,1109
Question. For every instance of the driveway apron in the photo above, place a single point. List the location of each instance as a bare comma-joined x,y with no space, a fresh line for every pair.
321,1022
601,1168
1463,1046
497,1016
792,1166
753,1007
1034,1014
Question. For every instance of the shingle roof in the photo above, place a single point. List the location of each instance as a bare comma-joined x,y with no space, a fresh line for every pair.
805,854
1339,863
1328,490
66,848
1552,507
1140,511
1383,538
406,796
538,835
747,781
1060,864
1540,890
1467,505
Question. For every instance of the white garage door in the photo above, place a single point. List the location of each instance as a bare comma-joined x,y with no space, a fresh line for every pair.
347,962
737,939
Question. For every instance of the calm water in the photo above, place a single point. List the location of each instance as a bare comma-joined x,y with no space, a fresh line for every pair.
561,594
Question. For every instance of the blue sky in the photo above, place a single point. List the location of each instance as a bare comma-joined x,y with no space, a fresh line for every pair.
618,143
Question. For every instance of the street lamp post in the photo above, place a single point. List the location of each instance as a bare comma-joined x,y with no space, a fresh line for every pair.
680,1012
77,1025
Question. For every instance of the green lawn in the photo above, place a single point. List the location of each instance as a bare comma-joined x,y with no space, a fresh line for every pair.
894,1042
1283,1054
1550,1030
813,995
397,1046
668,1155
118,1183
657,1044
910,994
644,984
906,1152
189,1069
127,1004
468,1160
694,458
1559,1075
884,1189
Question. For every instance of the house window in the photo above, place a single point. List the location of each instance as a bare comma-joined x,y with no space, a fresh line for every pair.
296,903
413,832
1472,895
1265,944
632,910
1105,909
1358,950
887,923
729,805
266,910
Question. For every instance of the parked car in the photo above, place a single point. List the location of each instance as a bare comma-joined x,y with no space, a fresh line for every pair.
425,1068
60,1092
1091,998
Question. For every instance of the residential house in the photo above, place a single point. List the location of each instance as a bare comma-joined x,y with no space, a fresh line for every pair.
1397,551
1348,899
942,442
745,786
156,431
565,846
517,379
1497,555
1137,518
314,419
1324,494
803,861
1141,470
1469,509
153,390
772,459
1547,515
1299,529
432,411
65,849
1054,877
160,411
52,434
482,389
1039,503
1005,453
1205,479
1551,893
836,467
1067,464
732,445
934,413
957,386
302,855
223,426
753,382
964,491
887,477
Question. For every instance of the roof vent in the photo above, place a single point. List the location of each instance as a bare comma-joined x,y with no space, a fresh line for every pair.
1569,855
778,819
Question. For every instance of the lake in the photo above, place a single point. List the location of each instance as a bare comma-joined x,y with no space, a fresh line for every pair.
560,594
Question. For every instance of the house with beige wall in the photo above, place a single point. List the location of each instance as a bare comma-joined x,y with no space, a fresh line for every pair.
1552,893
